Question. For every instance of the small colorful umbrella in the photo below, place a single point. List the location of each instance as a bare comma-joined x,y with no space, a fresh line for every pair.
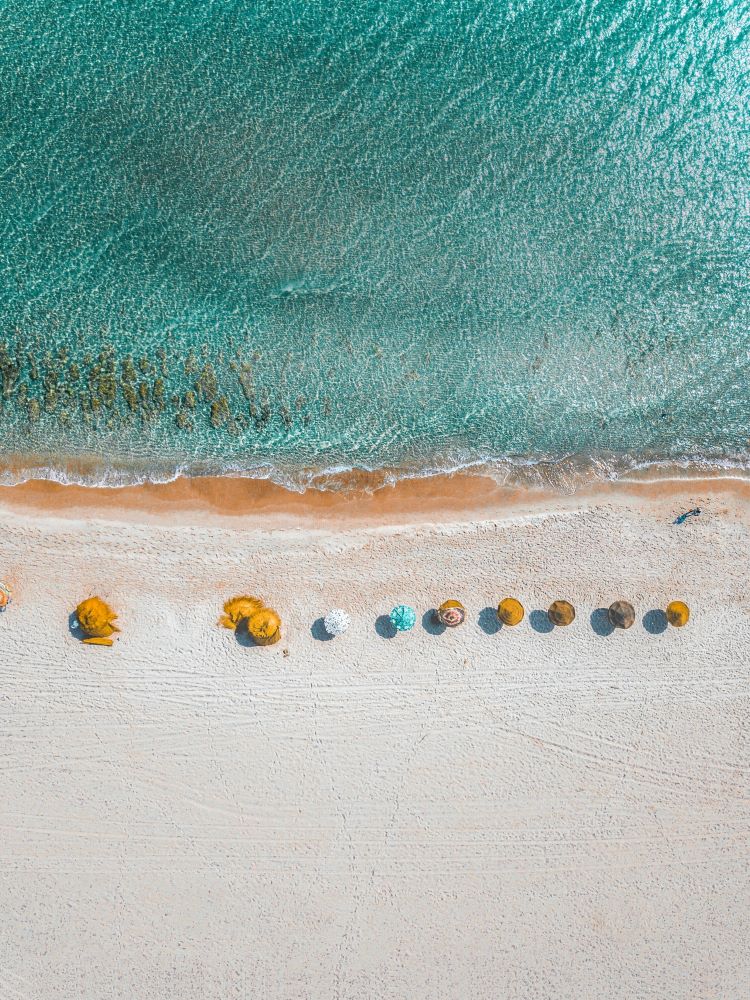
451,613
5,596
403,618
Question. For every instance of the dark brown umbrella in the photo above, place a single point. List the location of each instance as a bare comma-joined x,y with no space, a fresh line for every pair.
621,614
561,613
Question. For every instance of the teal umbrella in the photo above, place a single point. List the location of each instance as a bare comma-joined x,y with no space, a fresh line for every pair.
403,618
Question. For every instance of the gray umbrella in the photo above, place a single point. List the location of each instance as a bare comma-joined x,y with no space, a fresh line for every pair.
621,614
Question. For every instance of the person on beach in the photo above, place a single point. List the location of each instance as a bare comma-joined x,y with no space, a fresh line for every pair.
688,513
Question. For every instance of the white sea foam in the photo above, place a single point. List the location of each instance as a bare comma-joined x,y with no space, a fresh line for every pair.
565,475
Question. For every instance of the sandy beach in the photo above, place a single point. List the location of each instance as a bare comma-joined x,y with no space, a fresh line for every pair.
526,814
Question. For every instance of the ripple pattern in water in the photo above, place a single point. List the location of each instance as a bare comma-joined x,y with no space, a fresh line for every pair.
305,235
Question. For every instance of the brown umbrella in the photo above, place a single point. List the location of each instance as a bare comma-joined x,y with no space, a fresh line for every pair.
451,613
678,613
561,613
621,614
510,611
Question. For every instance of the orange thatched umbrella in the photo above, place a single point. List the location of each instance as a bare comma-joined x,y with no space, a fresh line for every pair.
561,613
621,614
265,627
451,613
96,619
678,613
236,609
510,611
5,596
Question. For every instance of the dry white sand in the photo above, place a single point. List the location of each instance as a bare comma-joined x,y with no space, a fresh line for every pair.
519,814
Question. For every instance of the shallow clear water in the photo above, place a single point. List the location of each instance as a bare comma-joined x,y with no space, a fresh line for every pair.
381,234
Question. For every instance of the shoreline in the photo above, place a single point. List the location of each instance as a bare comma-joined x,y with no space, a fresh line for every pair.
563,474
261,503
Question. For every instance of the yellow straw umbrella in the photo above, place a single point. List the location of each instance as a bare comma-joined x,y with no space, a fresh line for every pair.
678,613
561,613
96,619
510,611
238,608
451,613
265,627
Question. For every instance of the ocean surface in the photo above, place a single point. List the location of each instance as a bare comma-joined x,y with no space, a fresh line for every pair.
280,238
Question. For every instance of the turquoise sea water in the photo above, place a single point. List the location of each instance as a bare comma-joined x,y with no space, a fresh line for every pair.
276,238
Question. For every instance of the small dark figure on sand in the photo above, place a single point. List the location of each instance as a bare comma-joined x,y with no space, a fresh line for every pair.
688,513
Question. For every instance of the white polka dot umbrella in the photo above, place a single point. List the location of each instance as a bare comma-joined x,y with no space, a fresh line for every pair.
336,622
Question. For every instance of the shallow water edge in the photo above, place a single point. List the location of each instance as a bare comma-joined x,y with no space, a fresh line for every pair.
261,506
564,475
336,499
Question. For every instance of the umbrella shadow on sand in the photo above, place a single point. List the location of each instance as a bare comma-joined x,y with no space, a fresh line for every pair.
74,627
242,635
488,621
431,624
539,621
600,622
318,631
655,621
384,627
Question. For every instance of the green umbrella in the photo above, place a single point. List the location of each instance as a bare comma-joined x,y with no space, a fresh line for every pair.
403,618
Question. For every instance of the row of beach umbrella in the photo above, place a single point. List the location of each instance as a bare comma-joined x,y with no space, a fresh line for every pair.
511,612
96,619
